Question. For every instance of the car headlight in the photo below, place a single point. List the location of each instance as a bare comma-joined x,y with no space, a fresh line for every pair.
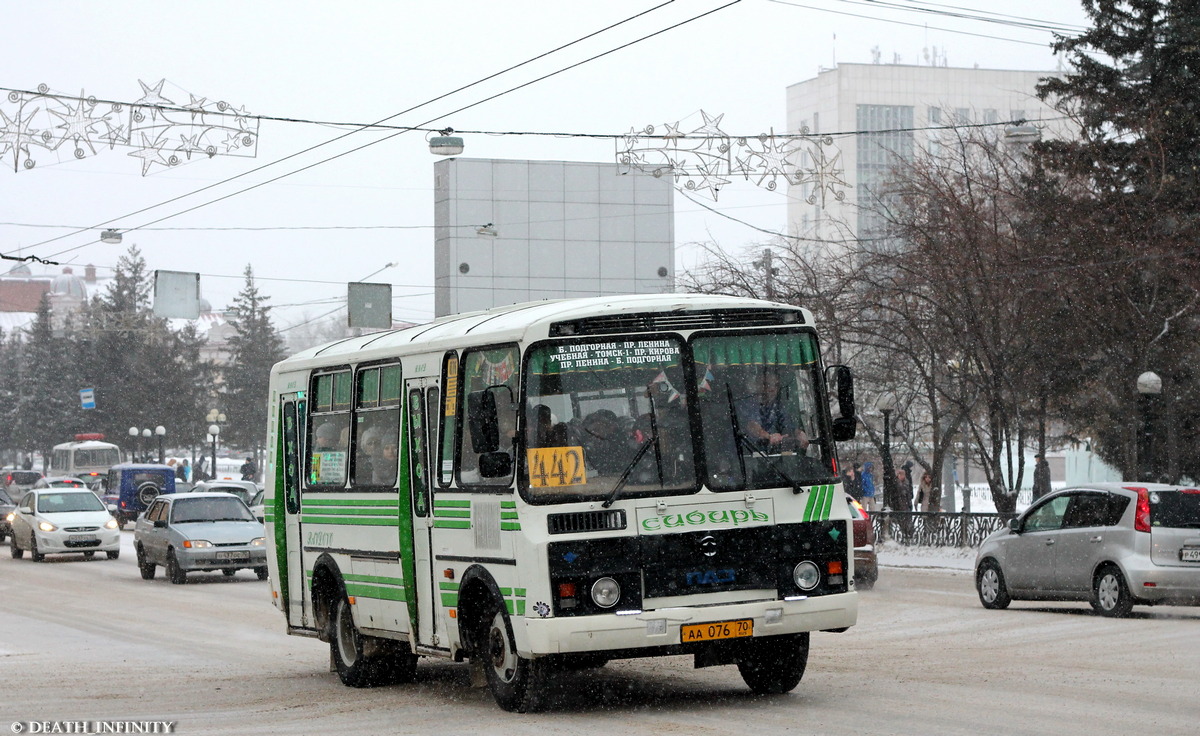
606,592
47,526
197,543
258,542
806,575
9,518
111,524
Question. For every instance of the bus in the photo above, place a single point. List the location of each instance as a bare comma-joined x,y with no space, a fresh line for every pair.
557,484
88,458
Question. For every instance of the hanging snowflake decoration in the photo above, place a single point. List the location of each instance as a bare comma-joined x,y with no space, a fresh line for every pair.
706,159
159,132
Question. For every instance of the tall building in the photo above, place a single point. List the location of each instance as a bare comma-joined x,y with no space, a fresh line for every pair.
515,231
889,105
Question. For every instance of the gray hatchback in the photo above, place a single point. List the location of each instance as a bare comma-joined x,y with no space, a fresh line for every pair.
189,532
1113,544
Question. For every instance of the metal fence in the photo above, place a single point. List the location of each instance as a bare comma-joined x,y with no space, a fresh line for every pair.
911,528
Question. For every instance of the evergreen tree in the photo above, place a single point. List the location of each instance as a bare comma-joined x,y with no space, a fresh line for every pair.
48,409
254,348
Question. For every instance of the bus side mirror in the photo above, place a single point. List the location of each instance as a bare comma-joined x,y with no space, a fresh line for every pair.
841,384
484,425
495,465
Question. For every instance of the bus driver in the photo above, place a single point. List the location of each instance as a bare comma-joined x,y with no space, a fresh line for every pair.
766,419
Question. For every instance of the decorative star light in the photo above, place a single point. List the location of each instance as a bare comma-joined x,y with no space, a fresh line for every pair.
707,158
49,121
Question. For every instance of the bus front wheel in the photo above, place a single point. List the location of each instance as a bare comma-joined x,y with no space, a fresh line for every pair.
774,665
516,683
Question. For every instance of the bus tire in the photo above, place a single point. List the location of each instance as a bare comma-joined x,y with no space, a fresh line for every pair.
353,667
774,665
516,683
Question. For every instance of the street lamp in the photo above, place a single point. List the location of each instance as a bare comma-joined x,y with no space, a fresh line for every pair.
133,432
215,419
161,431
1149,386
886,403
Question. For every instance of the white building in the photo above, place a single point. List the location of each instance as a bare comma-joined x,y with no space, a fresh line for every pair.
889,101
516,231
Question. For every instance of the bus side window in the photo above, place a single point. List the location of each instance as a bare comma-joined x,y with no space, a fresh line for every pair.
448,420
489,382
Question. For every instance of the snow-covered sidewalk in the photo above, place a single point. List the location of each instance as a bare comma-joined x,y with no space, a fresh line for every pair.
891,554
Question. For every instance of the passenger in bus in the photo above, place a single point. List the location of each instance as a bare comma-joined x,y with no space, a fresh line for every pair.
364,456
605,446
325,437
539,423
768,420
385,464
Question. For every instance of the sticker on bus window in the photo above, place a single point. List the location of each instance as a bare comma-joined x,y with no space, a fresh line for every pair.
551,467
328,467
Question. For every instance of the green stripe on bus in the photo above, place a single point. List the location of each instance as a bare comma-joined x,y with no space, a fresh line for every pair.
447,586
380,579
519,591
351,502
510,526
812,499
452,513
450,600
828,502
375,591
447,503
508,504
508,515
508,606
449,524
347,521
350,512
521,607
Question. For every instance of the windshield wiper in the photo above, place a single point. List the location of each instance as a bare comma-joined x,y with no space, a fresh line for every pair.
746,442
651,440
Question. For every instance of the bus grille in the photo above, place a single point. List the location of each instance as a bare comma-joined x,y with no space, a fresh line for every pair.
586,521
670,321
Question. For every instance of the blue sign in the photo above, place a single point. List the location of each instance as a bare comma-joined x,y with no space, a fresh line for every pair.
87,397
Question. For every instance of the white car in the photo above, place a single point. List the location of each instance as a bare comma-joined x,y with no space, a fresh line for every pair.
63,521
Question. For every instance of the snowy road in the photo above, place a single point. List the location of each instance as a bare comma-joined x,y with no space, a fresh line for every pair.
92,641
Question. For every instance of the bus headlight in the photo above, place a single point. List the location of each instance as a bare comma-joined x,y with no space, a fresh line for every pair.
806,575
606,592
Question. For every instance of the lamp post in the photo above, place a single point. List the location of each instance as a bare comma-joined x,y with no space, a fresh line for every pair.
145,449
161,432
215,419
1149,386
134,433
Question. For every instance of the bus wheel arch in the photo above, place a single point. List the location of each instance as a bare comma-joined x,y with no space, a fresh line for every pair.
475,595
327,588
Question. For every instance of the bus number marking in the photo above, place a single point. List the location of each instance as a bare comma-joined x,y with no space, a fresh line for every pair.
551,467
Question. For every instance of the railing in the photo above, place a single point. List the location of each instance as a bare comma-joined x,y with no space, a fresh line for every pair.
911,528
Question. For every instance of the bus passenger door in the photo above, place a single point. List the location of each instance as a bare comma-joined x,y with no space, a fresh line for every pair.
292,583
421,397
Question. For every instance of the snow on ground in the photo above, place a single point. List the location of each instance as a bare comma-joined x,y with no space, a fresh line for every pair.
891,554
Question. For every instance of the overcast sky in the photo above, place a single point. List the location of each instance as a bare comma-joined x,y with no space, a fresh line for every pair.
359,62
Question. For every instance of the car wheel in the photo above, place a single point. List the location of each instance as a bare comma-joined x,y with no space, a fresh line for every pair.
16,552
261,572
989,581
228,571
774,665
145,567
113,554
516,683
1110,593
3,535
33,550
175,573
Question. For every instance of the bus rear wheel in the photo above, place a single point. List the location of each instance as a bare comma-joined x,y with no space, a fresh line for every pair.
516,683
774,665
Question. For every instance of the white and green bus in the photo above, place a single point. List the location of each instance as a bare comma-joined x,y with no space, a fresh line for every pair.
560,483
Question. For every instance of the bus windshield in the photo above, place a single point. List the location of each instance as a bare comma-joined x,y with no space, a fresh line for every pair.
605,415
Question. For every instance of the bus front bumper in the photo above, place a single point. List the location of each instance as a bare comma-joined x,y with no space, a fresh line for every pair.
662,627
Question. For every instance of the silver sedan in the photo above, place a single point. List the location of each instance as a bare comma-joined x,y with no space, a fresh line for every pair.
1113,544
189,532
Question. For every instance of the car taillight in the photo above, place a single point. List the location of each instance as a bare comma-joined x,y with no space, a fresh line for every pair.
1141,515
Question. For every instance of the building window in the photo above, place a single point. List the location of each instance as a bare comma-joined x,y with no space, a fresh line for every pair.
888,138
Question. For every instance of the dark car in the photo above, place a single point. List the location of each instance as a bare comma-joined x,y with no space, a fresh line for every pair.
17,481
866,567
130,488
7,506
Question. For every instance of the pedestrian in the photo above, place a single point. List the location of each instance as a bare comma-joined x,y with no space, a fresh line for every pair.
925,493
867,481
249,469
180,471
187,470
905,482
1041,477
850,482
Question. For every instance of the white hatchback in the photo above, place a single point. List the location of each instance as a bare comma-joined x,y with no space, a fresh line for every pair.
1113,544
63,520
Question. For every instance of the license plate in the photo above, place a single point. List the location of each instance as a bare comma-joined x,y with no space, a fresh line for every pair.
233,555
1190,554
81,538
719,630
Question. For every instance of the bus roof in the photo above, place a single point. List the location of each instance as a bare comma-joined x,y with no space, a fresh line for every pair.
84,445
515,321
